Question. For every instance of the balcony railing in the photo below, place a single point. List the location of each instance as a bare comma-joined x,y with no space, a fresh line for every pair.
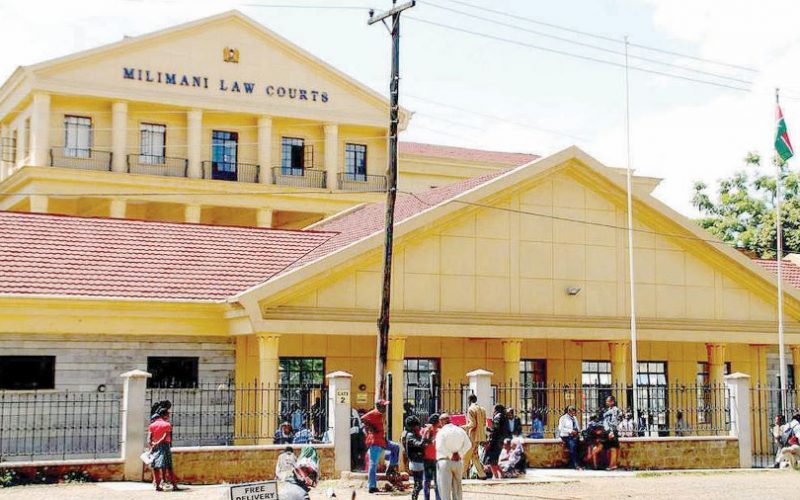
158,165
226,171
357,182
298,177
85,159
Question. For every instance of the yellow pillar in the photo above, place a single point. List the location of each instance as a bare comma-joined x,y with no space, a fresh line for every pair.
119,132
512,349
395,365
264,217
265,150
38,204
194,141
40,130
331,154
268,363
716,377
117,208
796,369
191,213
618,352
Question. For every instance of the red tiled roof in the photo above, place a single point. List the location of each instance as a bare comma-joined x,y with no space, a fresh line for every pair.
370,218
454,153
62,255
790,272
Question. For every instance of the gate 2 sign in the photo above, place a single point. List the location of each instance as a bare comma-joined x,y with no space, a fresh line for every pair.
343,397
267,490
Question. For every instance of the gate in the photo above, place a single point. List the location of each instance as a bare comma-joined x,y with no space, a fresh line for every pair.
765,405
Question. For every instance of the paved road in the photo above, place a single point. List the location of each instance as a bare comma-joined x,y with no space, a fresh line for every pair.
556,485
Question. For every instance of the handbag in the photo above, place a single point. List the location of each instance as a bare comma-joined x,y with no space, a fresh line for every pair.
147,457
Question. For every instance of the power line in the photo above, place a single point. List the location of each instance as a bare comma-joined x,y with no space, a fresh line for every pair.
574,55
589,45
602,37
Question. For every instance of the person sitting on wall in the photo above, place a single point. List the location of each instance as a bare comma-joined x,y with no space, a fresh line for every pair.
594,436
509,458
537,427
778,427
790,453
514,423
284,434
376,442
303,435
568,432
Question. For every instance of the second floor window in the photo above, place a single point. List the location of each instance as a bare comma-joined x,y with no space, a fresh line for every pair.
355,162
27,132
153,143
77,136
10,148
292,156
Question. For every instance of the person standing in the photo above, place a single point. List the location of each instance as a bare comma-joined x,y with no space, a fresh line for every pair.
611,419
414,447
452,443
497,435
568,432
376,442
476,430
160,440
429,433
357,447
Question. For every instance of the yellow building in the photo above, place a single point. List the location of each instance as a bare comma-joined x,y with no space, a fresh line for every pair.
522,272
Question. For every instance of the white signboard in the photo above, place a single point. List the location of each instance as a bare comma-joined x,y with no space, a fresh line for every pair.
343,397
267,490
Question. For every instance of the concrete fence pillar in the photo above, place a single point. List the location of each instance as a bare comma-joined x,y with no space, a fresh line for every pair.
134,420
480,384
339,412
738,385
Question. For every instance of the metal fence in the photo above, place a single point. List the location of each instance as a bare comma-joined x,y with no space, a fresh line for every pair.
84,159
447,397
664,410
54,425
224,414
765,406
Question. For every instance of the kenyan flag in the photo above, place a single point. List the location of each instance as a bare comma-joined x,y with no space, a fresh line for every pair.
782,144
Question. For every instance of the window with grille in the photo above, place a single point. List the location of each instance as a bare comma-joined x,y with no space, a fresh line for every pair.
179,372
27,132
301,383
703,390
653,394
355,162
152,143
77,136
292,156
532,378
18,373
421,381
10,148
596,382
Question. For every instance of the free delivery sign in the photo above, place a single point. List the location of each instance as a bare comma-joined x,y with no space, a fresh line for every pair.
267,490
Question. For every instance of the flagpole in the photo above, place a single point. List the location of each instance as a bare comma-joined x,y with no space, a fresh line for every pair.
779,258
634,355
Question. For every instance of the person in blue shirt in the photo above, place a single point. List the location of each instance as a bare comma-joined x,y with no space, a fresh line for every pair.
537,427
303,436
296,416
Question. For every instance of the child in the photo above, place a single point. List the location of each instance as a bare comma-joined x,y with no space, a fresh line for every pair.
160,439
414,446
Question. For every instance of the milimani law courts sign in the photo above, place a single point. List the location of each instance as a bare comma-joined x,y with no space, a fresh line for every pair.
222,85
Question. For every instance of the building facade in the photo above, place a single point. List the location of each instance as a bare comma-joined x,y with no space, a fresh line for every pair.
521,271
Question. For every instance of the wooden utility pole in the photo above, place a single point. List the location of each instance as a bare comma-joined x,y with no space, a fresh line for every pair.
391,193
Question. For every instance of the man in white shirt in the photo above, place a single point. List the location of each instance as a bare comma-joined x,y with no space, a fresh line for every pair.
452,443
568,432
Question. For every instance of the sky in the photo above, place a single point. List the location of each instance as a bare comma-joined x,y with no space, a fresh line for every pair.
525,95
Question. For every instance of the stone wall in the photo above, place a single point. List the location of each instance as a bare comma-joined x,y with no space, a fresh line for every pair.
701,452
98,470
236,464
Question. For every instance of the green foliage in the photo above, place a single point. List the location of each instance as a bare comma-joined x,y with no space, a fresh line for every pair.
743,212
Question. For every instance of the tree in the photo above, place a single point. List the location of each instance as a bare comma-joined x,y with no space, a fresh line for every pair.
743,213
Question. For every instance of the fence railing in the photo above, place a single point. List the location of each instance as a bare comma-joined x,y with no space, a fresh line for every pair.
365,183
228,171
224,414
298,177
765,406
158,165
54,425
84,159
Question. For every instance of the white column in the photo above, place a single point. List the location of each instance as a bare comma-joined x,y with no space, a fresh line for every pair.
4,166
117,208
39,203
119,131
21,145
738,385
40,131
265,149
339,418
194,141
264,217
133,423
480,384
192,213
331,158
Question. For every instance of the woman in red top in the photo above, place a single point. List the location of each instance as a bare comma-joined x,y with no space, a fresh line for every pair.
160,439
429,462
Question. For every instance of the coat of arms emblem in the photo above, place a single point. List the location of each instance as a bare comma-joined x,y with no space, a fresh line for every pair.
230,55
